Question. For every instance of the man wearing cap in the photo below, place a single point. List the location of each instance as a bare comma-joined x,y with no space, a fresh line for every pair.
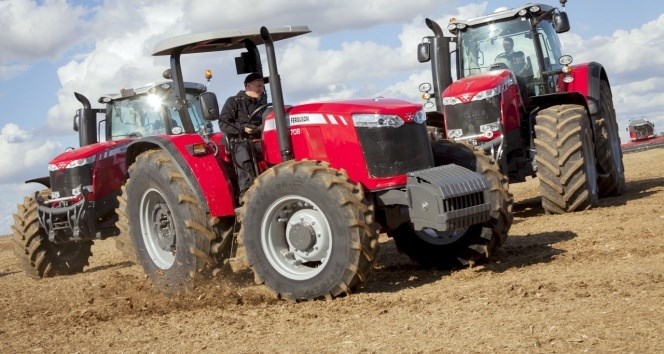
235,120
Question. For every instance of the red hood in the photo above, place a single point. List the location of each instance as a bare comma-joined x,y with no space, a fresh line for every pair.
88,152
404,109
471,85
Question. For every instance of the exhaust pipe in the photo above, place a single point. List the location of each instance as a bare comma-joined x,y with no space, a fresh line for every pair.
87,122
285,144
441,66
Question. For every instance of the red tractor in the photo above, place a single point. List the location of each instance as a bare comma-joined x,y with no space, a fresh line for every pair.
518,98
641,129
330,176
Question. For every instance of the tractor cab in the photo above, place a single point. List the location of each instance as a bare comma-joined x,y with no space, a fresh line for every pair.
150,111
523,40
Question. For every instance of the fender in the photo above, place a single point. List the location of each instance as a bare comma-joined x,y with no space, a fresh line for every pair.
587,78
204,174
46,181
554,99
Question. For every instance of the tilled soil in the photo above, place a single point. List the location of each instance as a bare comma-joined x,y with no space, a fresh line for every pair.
591,281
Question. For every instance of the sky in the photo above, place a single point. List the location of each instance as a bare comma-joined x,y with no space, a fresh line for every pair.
53,48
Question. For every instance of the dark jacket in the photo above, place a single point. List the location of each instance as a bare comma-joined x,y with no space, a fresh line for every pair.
234,116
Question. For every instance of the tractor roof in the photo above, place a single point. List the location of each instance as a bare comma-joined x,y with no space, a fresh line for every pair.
165,85
500,14
223,40
639,122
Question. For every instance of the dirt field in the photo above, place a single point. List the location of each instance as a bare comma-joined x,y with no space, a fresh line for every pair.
587,282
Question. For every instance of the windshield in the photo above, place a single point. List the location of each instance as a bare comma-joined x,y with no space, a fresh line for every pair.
499,45
509,45
145,115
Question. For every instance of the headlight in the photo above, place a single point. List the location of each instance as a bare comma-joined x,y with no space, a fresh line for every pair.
488,93
377,120
449,101
73,164
420,117
455,133
491,127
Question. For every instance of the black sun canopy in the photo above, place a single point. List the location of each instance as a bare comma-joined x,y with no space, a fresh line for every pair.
223,40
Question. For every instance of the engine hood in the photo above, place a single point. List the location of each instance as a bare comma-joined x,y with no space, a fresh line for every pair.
466,88
405,109
88,154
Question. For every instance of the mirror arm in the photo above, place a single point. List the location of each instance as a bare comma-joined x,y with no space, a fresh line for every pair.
543,16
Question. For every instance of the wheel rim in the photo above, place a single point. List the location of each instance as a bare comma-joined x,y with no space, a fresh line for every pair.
589,163
157,228
296,237
441,237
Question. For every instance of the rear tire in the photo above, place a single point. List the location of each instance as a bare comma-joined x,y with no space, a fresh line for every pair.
611,180
479,242
308,231
40,257
565,159
168,227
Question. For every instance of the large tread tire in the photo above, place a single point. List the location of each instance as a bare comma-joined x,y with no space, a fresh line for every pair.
123,241
349,238
479,242
565,159
40,257
611,179
171,232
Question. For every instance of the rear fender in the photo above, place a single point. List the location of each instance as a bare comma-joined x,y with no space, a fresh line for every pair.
204,174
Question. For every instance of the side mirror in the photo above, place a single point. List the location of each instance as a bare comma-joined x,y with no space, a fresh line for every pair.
424,52
209,106
561,22
77,118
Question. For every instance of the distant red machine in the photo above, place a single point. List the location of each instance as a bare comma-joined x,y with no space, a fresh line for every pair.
641,129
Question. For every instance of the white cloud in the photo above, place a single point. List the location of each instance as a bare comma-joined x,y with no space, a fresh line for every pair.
322,16
33,30
22,156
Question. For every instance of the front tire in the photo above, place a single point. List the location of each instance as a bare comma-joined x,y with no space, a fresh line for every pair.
167,225
566,165
462,247
39,256
308,231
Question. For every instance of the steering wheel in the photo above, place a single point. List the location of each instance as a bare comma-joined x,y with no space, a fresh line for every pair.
500,63
258,110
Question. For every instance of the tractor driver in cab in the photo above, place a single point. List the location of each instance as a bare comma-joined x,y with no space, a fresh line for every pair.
508,46
241,116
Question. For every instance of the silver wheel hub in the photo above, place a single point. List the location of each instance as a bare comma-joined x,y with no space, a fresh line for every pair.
157,228
296,237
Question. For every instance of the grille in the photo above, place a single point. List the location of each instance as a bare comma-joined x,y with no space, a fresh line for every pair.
470,116
63,181
463,202
395,151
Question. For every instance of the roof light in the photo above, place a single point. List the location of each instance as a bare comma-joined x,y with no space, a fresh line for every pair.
523,12
565,60
452,27
534,9
461,26
425,87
